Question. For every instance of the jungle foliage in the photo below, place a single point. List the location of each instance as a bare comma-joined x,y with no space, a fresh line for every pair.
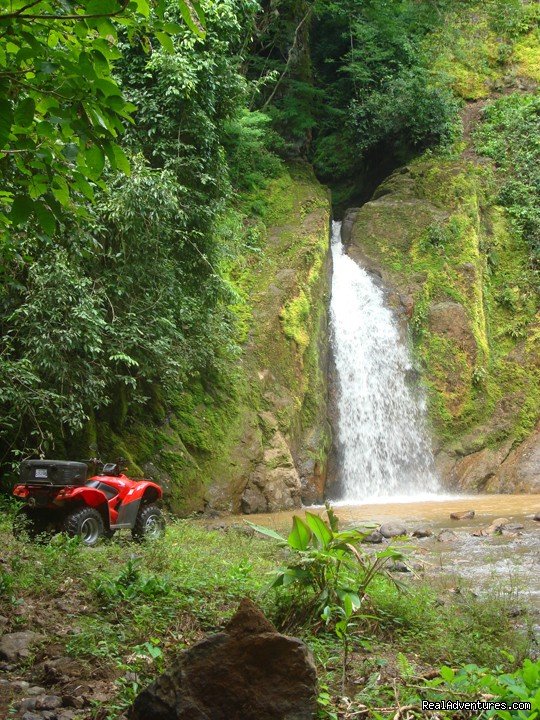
112,291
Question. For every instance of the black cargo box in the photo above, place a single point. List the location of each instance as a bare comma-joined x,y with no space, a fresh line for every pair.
53,472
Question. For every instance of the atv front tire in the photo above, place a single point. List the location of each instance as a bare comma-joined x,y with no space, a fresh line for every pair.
31,524
149,525
87,523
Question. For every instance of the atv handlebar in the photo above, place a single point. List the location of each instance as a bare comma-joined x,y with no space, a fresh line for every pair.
122,462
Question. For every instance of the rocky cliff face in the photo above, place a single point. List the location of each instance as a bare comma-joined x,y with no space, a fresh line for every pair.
450,259
258,440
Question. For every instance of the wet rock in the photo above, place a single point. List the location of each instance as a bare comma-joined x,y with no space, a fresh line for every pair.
247,672
36,690
253,501
48,702
497,525
399,566
422,532
493,529
537,517
447,536
509,533
16,646
463,515
374,538
32,716
392,529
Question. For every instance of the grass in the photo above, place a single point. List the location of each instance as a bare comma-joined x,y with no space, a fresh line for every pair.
121,612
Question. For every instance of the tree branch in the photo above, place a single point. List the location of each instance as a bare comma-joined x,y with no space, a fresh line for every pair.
19,15
289,59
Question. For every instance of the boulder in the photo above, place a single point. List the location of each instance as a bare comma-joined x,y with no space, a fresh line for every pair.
375,538
16,646
422,532
392,529
496,527
463,515
247,672
49,702
275,483
520,472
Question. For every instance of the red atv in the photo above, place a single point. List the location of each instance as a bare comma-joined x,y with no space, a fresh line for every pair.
59,497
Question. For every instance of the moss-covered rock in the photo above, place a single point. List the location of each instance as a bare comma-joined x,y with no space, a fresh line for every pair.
461,273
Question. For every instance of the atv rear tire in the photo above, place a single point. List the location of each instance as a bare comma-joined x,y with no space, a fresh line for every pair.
87,523
32,524
149,525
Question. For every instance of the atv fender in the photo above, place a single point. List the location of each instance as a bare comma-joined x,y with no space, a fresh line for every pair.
89,496
144,492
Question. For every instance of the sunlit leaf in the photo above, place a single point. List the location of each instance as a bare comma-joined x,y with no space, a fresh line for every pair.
300,534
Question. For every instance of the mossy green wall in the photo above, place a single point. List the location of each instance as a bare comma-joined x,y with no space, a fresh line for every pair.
463,276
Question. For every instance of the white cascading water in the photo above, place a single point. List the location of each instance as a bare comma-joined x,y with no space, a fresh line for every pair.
382,442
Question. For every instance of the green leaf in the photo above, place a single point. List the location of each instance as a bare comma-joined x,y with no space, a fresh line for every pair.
300,535
83,186
45,218
37,186
95,161
333,520
21,209
165,42
143,8
447,674
24,113
6,121
200,12
122,162
266,531
320,529
107,87
188,19
60,190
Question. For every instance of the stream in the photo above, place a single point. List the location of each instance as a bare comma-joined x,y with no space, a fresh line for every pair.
493,563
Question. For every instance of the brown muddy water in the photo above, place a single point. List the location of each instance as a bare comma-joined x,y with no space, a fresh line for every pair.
494,563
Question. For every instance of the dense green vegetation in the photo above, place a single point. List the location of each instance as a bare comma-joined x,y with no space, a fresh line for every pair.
510,134
131,614
128,291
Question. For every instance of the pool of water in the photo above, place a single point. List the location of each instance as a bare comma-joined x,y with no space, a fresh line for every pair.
485,564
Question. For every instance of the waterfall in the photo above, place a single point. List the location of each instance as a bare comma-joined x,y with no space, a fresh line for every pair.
383,449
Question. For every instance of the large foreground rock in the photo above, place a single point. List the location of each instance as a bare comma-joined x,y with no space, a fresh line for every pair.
248,672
